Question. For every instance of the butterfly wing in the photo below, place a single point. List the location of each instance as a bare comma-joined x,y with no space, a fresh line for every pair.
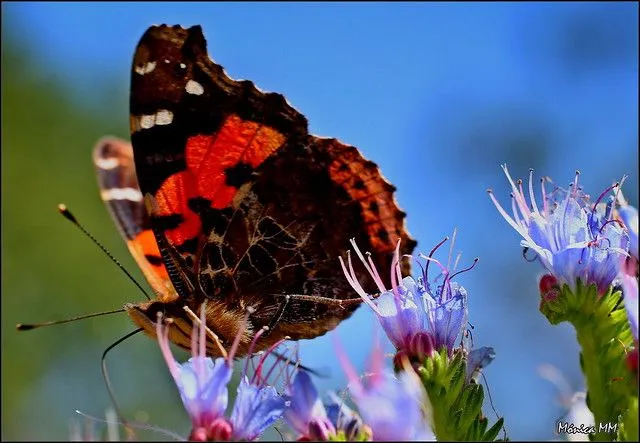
118,184
246,205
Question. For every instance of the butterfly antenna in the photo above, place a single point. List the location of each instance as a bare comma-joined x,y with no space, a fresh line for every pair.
105,376
112,435
275,428
27,327
69,216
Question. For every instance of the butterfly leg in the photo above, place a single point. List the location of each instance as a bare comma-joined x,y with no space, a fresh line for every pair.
278,315
312,298
327,300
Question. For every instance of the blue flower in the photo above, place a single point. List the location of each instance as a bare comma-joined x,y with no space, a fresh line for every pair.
572,237
306,413
344,418
629,216
477,359
255,409
419,317
203,386
391,407
314,420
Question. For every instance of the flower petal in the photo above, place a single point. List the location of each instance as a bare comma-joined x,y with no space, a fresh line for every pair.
304,403
203,388
255,409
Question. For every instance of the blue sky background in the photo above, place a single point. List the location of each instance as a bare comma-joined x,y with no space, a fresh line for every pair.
439,95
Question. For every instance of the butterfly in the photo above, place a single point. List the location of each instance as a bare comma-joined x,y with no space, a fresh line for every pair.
227,202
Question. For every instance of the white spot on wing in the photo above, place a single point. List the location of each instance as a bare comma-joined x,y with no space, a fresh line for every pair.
107,163
164,117
131,194
142,70
183,66
147,121
193,87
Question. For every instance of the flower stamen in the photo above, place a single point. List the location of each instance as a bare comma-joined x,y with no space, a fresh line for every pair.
473,265
212,335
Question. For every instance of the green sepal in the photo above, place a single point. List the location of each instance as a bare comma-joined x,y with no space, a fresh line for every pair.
339,436
494,430
456,405
363,435
477,428
470,403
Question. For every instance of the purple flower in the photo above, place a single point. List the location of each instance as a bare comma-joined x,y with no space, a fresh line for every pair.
314,420
202,383
572,237
257,406
306,414
629,216
344,418
391,407
477,359
419,317
629,276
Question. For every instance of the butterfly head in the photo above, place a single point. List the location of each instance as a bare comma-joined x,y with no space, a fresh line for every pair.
223,325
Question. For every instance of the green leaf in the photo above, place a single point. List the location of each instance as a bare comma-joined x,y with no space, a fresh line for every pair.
493,431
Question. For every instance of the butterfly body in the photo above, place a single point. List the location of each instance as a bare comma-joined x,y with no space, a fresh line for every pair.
225,200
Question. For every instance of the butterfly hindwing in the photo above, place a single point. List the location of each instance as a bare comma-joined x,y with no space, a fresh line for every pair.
118,184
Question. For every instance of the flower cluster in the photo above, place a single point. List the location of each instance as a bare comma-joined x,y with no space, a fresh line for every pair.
590,252
423,319
629,275
629,217
202,383
574,238
391,407
419,317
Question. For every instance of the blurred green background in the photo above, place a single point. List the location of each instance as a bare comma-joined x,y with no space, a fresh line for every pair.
50,271
438,94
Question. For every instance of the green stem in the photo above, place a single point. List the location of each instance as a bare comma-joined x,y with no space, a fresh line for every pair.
604,336
631,421
599,401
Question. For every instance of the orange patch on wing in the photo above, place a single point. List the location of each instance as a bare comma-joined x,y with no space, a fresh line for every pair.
207,158
172,198
144,249
147,244
237,141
